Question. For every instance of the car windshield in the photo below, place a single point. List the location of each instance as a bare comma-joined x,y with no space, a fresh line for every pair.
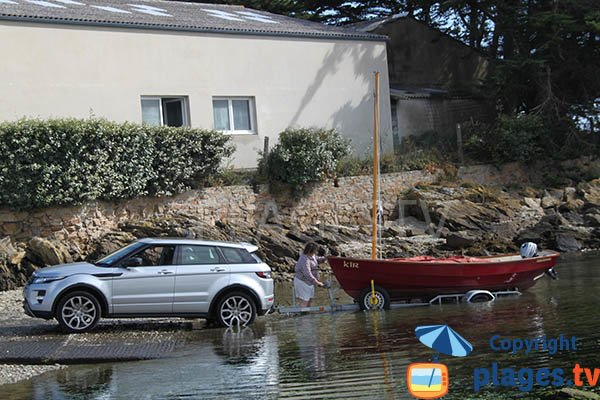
111,258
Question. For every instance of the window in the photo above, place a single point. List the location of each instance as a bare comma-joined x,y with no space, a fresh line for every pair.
194,255
169,111
237,256
154,256
117,255
234,115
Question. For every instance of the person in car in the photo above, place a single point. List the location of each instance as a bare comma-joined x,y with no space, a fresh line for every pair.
307,274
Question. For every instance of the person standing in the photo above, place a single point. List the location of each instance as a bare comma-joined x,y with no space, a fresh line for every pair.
307,274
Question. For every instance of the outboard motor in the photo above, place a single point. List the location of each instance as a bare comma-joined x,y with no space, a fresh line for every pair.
529,250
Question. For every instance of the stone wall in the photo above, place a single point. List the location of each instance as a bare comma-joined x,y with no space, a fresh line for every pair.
347,203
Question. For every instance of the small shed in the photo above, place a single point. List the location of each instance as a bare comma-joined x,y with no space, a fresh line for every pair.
436,81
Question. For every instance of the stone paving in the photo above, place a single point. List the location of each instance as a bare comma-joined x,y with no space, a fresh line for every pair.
30,346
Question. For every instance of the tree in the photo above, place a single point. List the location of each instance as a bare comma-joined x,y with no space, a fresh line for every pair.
285,7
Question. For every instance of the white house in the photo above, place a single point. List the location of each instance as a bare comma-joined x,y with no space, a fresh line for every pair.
248,73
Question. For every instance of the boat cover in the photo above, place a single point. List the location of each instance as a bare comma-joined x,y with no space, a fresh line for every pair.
456,259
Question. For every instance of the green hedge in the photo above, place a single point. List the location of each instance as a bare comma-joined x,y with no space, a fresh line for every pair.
70,161
302,156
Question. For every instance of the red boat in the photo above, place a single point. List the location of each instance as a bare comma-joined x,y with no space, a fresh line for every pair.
427,277
374,283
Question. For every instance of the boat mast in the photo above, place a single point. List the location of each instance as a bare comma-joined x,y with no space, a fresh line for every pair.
375,167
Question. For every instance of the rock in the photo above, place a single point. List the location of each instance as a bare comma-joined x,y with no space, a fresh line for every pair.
571,393
394,231
109,243
460,240
566,242
45,252
275,242
364,230
592,219
7,247
589,208
551,198
570,193
573,218
554,220
299,237
17,257
414,231
532,202
443,233
571,202
460,214
543,232
571,205
591,192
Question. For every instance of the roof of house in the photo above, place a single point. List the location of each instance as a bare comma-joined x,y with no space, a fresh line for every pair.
172,15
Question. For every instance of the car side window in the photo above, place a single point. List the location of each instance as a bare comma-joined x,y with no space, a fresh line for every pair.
197,255
238,256
154,256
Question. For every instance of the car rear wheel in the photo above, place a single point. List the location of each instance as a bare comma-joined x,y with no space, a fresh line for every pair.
235,309
379,299
78,312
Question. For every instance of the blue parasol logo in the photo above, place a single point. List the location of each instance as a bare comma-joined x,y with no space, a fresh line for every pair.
443,339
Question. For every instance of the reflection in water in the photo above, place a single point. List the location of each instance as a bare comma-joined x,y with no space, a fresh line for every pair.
94,383
311,345
346,355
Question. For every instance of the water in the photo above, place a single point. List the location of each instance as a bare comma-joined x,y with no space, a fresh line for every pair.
349,355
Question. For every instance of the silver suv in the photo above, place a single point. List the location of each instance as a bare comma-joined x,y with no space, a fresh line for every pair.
223,282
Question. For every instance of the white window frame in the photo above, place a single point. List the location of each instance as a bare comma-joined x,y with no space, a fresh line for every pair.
251,110
185,107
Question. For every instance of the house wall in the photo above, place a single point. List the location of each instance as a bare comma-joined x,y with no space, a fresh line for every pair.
420,56
72,71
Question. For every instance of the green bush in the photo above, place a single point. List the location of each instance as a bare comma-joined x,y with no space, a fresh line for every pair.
519,138
69,161
302,156
425,151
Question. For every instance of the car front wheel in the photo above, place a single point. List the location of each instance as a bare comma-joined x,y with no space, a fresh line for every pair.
235,309
78,312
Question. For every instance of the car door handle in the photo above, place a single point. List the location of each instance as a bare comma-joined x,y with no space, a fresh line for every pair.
165,272
217,269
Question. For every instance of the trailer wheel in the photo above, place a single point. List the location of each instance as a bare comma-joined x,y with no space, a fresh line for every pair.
381,300
479,296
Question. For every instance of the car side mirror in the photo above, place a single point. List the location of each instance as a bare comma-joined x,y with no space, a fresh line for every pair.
133,262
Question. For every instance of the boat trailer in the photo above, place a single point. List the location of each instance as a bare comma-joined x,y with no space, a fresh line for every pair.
472,296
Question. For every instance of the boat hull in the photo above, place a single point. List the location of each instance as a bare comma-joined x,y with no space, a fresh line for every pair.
406,279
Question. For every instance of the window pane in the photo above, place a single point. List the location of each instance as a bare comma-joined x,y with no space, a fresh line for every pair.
237,256
193,255
173,110
156,255
221,115
232,256
111,258
241,115
151,112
